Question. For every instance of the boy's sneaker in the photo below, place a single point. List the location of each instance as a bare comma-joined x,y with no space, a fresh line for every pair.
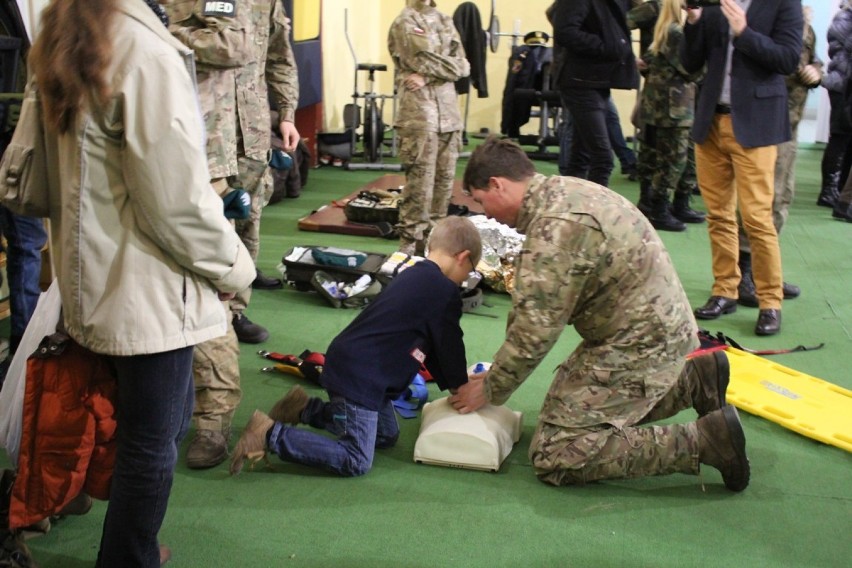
289,409
252,444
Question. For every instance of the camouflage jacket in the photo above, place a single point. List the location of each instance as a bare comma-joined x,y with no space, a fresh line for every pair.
590,260
219,40
668,96
643,17
244,60
423,40
797,91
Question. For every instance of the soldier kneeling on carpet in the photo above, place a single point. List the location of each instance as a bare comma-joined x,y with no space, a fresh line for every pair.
414,321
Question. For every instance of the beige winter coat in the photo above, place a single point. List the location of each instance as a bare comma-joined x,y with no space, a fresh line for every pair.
140,241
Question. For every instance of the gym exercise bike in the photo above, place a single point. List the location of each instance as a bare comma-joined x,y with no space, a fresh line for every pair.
372,125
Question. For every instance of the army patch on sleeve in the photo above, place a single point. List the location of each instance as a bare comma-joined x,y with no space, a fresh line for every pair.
220,8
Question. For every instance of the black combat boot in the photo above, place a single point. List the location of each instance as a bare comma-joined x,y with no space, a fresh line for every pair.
644,204
746,289
722,444
13,551
683,212
661,217
829,193
842,211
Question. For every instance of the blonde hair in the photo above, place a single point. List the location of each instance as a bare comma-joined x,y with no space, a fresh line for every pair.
671,12
455,234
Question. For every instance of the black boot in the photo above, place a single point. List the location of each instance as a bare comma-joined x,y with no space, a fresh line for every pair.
661,217
746,289
829,193
842,211
644,204
13,551
683,212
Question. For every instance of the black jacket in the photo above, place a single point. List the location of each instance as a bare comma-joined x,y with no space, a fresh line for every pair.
764,54
414,319
594,45
469,25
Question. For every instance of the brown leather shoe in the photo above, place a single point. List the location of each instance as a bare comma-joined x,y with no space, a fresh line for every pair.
715,307
721,444
768,322
709,375
289,409
252,444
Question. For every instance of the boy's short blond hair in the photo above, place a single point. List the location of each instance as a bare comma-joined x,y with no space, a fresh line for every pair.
455,234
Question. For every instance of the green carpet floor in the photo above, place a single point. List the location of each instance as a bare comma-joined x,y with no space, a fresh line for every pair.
796,512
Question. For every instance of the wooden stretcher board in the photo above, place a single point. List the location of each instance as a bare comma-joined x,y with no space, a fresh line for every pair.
331,219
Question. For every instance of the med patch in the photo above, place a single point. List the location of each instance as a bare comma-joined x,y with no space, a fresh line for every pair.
220,8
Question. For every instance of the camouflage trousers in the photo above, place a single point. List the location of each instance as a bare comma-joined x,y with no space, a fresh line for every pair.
785,182
785,189
216,374
667,161
255,178
589,427
429,161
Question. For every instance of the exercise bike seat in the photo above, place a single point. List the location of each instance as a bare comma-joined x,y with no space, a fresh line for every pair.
372,67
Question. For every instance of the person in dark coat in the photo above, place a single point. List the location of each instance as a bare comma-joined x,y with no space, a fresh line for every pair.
595,55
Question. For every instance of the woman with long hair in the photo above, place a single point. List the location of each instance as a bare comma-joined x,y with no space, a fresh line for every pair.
142,250
667,110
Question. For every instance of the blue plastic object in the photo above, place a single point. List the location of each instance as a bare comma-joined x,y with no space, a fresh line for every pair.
413,399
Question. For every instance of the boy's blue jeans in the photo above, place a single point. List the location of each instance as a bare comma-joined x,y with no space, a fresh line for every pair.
359,432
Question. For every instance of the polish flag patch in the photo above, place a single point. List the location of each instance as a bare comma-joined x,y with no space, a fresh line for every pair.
419,355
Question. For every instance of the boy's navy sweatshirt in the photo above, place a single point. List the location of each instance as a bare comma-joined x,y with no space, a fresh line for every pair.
414,319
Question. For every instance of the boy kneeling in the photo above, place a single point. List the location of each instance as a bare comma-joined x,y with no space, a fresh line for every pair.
414,320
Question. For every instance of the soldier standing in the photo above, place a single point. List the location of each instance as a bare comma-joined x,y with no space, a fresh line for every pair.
238,45
667,110
592,260
429,58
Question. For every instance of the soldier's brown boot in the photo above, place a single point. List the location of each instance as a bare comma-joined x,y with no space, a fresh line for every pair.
208,449
252,444
289,409
721,444
709,375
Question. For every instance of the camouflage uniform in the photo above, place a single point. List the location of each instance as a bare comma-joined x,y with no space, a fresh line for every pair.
797,95
785,163
219,39
590,259
643,17
422,40
223,38
268,73
667,111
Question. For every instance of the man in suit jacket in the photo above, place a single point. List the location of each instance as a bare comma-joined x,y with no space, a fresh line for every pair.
749,46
